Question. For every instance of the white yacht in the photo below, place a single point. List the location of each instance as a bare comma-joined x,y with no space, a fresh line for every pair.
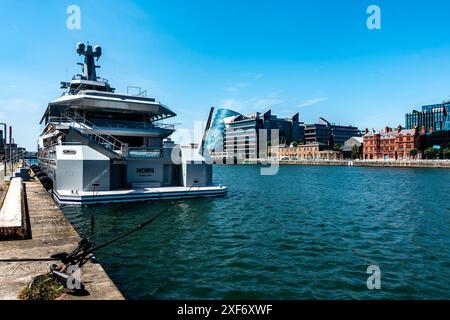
98,146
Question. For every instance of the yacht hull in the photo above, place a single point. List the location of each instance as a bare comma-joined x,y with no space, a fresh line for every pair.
137,195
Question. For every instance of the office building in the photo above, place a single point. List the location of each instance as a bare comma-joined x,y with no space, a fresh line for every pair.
215,140
318,132
243,134
432,117
340,134
330,134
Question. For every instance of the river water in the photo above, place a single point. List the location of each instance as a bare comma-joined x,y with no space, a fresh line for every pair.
305,233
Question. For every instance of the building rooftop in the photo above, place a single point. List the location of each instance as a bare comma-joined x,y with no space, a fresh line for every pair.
405,132
390,133
312,144
359,139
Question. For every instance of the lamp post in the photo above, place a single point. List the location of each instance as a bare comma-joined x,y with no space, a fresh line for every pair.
10,150
5,127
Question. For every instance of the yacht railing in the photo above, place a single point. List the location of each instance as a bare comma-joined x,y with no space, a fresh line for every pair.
76,121
92,129
144,152
122,124
49,152
11,161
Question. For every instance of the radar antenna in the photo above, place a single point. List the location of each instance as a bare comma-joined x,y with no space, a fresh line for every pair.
89,53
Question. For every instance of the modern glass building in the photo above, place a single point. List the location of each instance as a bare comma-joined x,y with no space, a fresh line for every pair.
242,133
214,140
318,132
329,134
432,117
340,134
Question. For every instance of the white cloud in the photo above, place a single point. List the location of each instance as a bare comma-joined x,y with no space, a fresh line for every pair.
237,86
230,89
311,102
274,94
19,104
232,104
250,105
253,75
266,103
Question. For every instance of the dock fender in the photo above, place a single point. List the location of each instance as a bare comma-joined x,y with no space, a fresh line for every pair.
36,170
40,174
46,182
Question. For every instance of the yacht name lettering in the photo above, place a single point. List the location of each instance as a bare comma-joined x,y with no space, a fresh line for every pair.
145,171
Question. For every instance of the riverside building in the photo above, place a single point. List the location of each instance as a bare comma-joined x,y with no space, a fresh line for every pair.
311,151
215,140
391,144
432,117
244,134
349,145
330,134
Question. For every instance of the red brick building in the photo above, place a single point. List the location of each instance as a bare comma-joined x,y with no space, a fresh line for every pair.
390,144
407,140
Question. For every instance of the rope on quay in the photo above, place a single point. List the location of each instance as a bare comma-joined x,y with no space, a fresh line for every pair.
84,252
139,227
81,255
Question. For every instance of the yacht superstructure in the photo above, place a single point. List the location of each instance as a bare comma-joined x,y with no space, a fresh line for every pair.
100,146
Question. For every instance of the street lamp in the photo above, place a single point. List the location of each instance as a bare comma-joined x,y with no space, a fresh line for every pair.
5,126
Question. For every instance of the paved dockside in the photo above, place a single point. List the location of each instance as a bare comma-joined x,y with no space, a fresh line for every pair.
51,233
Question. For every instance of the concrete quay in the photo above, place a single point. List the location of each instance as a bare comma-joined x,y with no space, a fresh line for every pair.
50,233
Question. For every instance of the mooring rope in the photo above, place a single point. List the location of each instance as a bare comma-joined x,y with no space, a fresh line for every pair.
107,243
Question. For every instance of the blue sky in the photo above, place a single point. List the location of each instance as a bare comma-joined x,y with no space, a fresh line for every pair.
313,57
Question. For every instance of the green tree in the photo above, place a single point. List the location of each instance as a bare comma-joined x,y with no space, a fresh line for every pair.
430,153
447,153
413,153
355,152
295,144
336,147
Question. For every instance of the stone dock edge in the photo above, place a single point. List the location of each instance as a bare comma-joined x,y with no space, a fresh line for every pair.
445,164
50,233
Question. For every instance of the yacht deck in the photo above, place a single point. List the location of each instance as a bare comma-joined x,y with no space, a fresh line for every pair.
137,194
